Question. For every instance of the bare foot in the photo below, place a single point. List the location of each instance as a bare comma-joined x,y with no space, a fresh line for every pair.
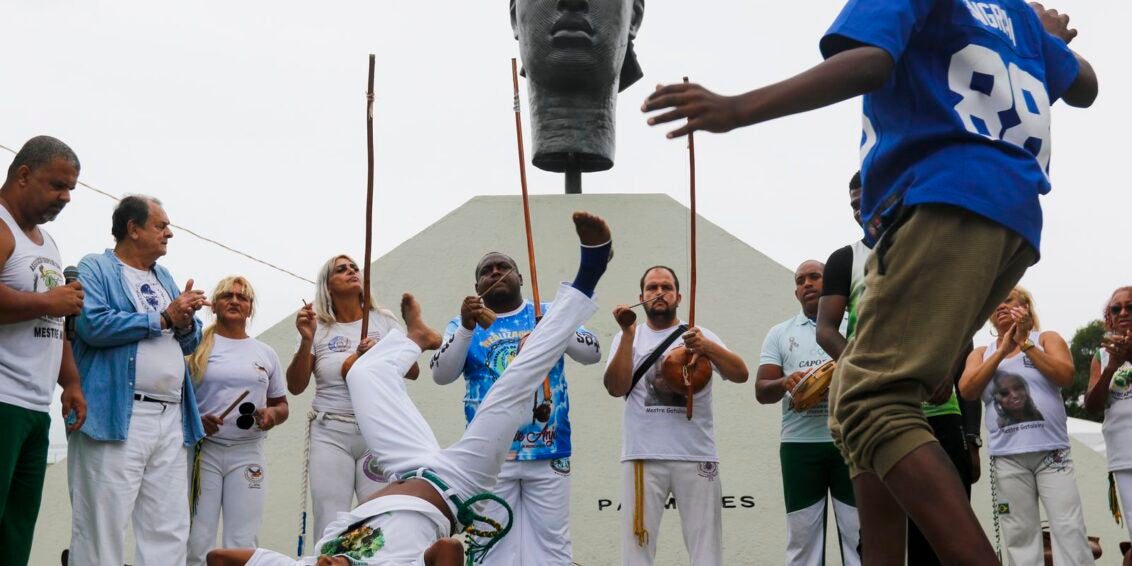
592,230
417,330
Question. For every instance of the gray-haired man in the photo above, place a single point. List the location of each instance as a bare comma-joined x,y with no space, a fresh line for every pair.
33,354
128,461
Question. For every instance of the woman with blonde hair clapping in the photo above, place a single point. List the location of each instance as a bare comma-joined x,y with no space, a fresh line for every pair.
1019,377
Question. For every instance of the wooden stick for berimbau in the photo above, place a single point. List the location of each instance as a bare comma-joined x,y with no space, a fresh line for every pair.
497,281
234,403
523,183
656,298
526,204
692,270
369,202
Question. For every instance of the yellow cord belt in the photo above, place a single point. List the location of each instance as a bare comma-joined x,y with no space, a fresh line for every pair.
639,529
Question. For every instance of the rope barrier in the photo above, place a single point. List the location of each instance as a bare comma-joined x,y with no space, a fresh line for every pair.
194,233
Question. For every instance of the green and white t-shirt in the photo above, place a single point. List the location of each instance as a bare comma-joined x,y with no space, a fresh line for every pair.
1117,426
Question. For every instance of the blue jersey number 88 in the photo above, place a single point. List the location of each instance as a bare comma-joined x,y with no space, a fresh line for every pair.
989,86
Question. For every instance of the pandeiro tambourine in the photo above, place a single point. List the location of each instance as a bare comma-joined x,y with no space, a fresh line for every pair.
811,389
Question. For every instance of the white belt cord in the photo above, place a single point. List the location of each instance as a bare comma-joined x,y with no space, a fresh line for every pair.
312,416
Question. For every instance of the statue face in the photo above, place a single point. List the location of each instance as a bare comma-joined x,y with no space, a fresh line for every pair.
574,45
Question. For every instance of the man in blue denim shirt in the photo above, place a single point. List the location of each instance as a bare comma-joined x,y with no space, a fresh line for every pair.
128,460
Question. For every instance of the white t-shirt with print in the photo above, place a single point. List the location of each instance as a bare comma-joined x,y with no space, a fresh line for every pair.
1024,411
793,346
160,364
235,366
1117,426
332,345
655,425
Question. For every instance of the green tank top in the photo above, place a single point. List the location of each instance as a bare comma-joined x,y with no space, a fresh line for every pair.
949,407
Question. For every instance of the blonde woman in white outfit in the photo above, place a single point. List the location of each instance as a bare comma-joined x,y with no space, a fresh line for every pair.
1019,378
1110,390
329,332
230,471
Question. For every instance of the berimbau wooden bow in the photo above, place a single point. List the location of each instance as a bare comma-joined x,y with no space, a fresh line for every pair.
369,221
527,217
692,259
369,201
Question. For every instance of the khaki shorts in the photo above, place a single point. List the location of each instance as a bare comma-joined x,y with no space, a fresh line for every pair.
931,283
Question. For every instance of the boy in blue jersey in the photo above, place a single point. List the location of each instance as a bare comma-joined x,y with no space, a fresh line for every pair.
535,480
955,152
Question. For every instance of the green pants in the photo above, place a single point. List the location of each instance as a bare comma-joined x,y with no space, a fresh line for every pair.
810,470
23,462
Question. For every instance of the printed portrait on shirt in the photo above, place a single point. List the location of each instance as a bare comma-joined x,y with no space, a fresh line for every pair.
1012,400
659,393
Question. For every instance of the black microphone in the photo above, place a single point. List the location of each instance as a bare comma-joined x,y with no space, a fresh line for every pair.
70,275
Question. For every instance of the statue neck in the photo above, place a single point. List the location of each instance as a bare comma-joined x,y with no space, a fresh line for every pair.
578,123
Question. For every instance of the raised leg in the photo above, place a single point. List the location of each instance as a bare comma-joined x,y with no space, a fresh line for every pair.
473,463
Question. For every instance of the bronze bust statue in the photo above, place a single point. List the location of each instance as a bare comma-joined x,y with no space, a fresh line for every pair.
577,55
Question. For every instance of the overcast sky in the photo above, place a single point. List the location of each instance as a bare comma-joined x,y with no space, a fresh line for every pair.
247,119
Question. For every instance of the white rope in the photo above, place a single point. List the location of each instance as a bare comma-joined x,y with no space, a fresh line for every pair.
195,234
312,415
994,508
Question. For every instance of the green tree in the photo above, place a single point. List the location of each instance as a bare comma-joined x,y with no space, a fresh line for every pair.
1086,341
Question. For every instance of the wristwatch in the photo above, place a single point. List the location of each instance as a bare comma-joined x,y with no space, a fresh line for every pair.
1027,345
975,440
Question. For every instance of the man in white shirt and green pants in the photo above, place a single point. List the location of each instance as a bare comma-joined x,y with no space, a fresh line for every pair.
812,467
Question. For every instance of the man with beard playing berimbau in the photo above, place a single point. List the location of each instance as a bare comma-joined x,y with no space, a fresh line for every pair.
664,453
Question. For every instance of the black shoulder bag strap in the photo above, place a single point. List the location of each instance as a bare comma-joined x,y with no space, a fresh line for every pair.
654,355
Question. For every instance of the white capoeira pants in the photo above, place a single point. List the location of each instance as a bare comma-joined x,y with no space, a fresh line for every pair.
341,468
806,534
472,464
233,478
698,493
538,492
144,478
1124,491
1023,480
